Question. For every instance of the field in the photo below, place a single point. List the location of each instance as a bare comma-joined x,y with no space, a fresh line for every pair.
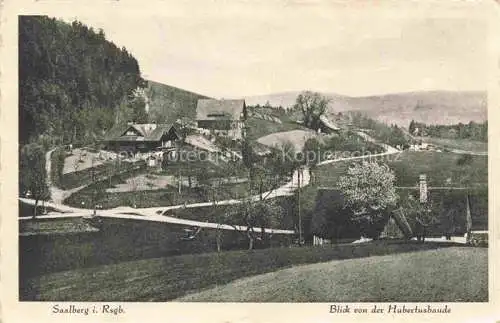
212,214
444,275
165,279
296,137
440,168
259,128
88,175
156,197
116,241
54,226
460,144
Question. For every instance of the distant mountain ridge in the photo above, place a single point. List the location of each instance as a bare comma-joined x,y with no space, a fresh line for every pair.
432,107
168,103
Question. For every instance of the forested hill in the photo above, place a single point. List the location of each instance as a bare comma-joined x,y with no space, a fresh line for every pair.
73,83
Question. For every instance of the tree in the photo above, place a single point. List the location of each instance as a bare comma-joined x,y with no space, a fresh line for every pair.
255,214
370,195
312,152
71,80
412,127
422,214
313,106
32,173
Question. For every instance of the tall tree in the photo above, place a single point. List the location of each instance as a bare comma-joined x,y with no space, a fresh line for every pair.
32,173
312,106
256,215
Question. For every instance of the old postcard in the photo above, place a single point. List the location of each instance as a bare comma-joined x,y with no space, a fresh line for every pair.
257,161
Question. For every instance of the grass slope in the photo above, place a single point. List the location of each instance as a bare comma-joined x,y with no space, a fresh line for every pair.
165,279
439,166
170,103
446,275
259,128
462,144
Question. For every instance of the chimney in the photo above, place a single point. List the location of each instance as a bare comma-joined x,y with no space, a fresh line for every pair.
129,123
423,188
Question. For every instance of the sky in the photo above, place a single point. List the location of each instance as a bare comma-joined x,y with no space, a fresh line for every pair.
238,48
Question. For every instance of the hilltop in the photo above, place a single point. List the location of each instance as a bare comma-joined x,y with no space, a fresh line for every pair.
283,99
430,107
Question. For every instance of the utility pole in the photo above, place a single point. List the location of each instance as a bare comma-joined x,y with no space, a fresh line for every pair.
179,179
468,218
93,182
423,188
299,170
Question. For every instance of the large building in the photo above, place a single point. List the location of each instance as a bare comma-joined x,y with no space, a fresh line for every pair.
222,117
144,137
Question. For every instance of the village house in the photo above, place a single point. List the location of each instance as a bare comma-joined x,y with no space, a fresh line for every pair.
222,117
141,138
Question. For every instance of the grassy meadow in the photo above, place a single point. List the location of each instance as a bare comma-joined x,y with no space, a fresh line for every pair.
167,278
461,144
455,274
440,168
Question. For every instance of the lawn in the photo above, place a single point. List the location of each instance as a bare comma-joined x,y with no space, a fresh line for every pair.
438,166
165,279
461,144
213,214
445,275
159,197
259,127
88,175
296,137
51,226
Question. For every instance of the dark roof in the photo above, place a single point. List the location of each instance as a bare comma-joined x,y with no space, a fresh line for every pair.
210,109
144,132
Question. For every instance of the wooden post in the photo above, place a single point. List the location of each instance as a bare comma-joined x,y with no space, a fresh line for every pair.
468,218
300,216
423,188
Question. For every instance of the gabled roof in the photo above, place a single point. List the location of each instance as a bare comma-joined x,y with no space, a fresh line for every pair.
143,132
210,109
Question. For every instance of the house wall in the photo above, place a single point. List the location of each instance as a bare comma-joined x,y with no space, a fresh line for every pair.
230,128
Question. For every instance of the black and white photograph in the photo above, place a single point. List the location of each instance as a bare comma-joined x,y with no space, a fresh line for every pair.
281,152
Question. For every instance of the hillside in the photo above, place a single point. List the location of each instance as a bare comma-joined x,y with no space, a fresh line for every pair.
433,107
72,81
437,107
168,103
283,99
